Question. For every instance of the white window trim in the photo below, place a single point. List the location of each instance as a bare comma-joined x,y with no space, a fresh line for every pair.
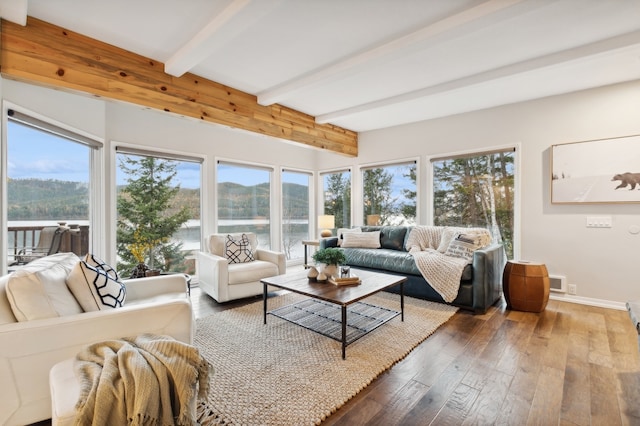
359,202
320,193
275,189
517,199
312,179
96,177
141,150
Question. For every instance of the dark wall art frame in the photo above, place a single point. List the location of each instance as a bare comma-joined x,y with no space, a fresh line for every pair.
596,171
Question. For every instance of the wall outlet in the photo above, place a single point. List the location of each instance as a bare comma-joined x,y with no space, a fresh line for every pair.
571,289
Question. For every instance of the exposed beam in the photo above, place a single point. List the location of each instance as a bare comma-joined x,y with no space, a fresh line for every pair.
45,54
446,28
553,59
195,50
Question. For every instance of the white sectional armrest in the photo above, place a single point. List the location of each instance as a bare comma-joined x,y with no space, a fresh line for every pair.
144,288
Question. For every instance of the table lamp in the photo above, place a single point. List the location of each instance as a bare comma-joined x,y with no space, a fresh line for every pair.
326,222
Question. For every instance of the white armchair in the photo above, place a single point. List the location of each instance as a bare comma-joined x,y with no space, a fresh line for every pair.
226,281
29,349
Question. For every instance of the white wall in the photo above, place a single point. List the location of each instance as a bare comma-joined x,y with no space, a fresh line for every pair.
602,263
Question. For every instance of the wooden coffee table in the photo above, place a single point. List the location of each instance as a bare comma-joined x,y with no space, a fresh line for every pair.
342,296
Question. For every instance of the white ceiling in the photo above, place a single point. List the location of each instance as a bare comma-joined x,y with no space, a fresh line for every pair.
369,64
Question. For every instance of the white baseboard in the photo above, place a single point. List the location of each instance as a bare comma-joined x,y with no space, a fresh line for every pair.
601,303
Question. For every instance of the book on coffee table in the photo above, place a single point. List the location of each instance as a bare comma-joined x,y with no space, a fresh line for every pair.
345,281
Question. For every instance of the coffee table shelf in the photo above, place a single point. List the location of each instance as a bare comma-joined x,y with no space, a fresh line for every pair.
338,303
326,318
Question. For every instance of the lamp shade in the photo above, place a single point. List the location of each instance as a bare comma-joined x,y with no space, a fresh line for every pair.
326,222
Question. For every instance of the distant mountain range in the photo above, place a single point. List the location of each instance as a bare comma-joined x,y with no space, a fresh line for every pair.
37,199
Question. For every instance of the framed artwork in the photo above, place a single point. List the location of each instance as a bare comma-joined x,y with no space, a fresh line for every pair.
597,171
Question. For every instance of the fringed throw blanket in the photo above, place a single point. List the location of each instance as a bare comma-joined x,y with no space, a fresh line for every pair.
441,271
143,380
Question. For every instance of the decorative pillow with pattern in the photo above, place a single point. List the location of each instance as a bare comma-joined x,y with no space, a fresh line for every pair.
98,263
95,289
463,246
238,250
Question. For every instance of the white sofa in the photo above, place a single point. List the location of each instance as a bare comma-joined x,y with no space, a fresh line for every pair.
28,349
226,281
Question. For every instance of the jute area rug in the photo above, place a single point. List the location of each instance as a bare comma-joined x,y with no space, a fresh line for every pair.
283,374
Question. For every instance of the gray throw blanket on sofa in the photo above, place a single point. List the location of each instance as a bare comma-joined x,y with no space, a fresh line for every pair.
143,380
442,272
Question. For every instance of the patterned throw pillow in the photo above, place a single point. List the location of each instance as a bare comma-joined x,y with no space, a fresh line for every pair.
238,251
463,246
94,288
100,264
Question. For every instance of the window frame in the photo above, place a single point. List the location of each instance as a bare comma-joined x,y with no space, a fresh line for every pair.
398,162
320,196
310,212
142,150
275,191
516,148
96,172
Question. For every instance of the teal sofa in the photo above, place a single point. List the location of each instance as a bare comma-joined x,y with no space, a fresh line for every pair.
480,284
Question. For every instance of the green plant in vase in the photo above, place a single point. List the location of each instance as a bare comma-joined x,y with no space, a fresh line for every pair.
331,257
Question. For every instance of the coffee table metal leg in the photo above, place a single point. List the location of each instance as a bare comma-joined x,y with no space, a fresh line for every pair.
344,332
264,301
402,301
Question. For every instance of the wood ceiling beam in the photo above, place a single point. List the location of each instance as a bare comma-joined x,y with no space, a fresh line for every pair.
48,55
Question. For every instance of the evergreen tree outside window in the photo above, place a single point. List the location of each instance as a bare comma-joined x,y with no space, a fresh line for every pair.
477,190
389,194
336,193
295,213
158,212
244,201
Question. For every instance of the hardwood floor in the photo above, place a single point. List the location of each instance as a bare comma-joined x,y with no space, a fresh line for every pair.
569,365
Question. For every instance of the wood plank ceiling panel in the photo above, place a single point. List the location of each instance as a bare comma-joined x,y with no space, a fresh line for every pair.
48,55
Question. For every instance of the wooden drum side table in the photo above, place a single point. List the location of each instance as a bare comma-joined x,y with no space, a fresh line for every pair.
526,285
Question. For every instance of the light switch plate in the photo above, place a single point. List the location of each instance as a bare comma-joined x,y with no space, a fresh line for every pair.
599,222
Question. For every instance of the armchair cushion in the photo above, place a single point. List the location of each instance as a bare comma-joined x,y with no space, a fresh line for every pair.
254,271
94,288
38,290
238,250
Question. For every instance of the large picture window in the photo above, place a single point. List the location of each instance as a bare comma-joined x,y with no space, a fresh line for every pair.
244,200
158,210
48,185
389,194
476,190
336,193
295,213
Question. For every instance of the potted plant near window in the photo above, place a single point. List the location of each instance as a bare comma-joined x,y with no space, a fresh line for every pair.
331,257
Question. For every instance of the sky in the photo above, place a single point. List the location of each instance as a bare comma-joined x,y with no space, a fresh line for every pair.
36,154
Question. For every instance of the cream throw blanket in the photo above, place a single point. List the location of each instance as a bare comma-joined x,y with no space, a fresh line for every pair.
143,380
442,272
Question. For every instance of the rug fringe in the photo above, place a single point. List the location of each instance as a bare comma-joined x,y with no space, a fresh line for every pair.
206,416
